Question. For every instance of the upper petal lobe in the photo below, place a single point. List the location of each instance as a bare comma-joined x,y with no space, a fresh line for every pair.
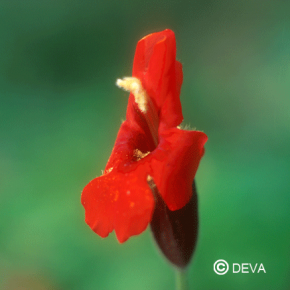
161,75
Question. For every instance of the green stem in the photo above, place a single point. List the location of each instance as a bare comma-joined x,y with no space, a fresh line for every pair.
181,280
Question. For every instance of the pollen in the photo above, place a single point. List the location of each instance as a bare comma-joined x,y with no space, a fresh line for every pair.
149,178
134,86
151,183
108,170
139,154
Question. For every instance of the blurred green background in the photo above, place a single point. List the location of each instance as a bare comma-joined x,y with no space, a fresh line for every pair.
60,111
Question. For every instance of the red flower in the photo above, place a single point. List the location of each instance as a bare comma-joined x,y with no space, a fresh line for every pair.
149,146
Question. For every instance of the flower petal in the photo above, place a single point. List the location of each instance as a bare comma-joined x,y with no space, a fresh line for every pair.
123,202
174,164
160,74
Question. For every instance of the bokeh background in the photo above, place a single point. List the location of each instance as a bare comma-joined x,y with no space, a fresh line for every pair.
60,111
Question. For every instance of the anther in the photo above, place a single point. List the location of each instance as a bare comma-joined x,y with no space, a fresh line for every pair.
134,86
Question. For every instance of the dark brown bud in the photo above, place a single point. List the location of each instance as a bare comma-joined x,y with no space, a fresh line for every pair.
175,231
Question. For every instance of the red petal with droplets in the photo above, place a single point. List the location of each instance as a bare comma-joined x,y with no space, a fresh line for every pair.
120,201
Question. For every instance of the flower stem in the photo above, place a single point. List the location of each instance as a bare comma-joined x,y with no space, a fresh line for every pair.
181,280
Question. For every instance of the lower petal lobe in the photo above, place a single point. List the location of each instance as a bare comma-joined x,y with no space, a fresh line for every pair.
120,201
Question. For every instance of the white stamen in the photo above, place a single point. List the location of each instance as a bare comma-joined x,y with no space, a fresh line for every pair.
134,86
